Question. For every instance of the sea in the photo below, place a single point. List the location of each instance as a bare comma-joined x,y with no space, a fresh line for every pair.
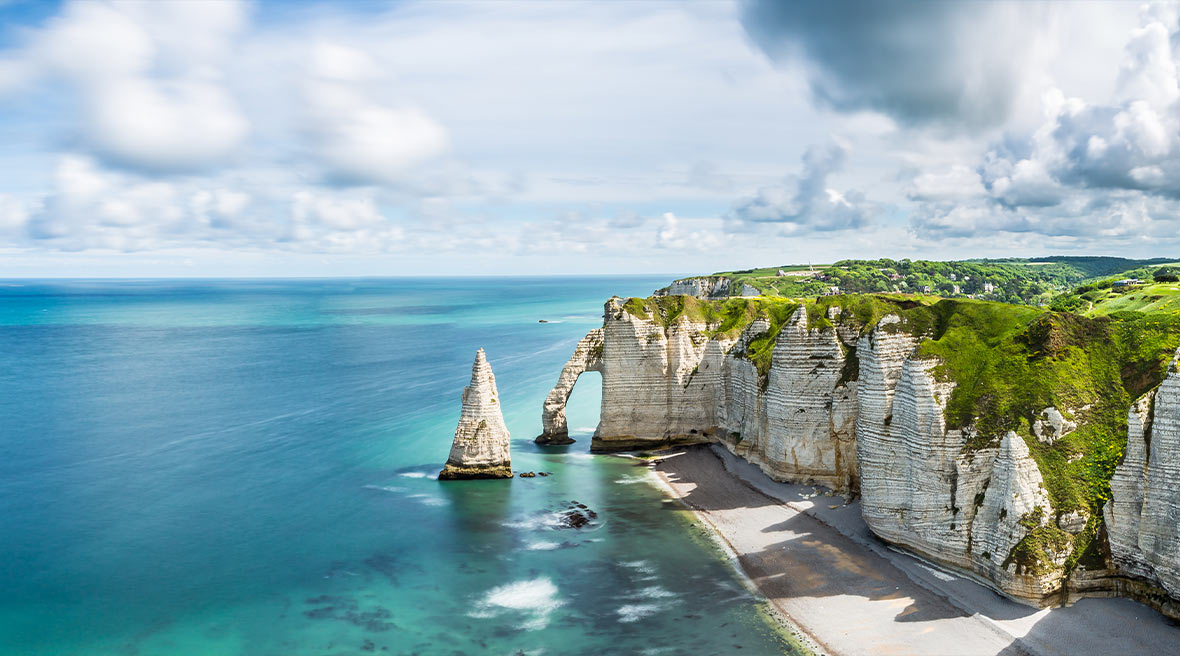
225,467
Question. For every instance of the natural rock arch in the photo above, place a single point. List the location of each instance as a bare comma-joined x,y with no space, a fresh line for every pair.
587,357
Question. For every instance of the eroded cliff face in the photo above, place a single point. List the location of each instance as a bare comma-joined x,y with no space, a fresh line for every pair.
707,287
1142,514
805,409
685,383
922,487
659,383
866,395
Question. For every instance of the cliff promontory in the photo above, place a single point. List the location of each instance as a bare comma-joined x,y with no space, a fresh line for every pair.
980,435
481,446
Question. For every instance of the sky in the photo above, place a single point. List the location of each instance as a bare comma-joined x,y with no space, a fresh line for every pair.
224,138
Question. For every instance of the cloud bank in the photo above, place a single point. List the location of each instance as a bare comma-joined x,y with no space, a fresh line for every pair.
482,138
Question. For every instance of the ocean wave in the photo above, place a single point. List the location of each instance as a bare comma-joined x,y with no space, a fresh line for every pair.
545,520
641,566
386,488
542,546
427,500
536,599
653,592
415,474
635,612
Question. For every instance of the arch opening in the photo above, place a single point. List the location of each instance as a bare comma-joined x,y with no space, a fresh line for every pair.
587,357
583,409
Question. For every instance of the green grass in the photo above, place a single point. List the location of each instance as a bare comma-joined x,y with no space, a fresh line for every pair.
1153,297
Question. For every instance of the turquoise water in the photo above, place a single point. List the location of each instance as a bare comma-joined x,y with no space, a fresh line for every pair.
247,467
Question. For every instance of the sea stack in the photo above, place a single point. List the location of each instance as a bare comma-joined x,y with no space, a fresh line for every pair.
481,447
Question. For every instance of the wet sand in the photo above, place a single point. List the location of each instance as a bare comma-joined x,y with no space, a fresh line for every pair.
814,558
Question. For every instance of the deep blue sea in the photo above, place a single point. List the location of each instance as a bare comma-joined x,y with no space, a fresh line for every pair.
206,468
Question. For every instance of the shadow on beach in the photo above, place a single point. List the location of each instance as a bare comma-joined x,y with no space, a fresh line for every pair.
817,562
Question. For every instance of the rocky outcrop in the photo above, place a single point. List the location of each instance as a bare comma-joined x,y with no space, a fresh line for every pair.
1052,425
684,383
1142,514
587,357
805,414
481,445
658,383
709,287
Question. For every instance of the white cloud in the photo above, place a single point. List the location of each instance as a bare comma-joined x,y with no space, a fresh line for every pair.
334,213
219,208
805,202
489,133
361,141
150,79
1090,170
954,183
673,235
13,214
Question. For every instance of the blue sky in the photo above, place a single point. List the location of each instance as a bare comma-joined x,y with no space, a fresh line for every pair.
226,138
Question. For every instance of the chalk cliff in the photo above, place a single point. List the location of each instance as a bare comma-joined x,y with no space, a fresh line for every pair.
1141,516
707,287
922,488
481,445
884,398
685,383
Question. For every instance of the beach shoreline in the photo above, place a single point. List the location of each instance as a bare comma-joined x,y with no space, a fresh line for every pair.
796,633
843,591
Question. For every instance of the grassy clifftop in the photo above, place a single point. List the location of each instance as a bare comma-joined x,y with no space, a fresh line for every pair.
1012,280
1008,362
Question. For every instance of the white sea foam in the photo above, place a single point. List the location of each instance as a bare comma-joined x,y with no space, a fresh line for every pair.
427,500
632,480
386,488
414,474
535,522
653,592
641,566
536,599
543,546
635,612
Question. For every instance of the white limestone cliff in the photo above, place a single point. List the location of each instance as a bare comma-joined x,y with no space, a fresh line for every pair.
859,409
806,415
658,384
677,385
1142,514
481,445
922,488
708,287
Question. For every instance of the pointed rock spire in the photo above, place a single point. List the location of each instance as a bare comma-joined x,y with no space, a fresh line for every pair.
481,446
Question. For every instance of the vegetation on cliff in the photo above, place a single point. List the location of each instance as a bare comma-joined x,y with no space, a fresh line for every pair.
1011,280
1009,363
